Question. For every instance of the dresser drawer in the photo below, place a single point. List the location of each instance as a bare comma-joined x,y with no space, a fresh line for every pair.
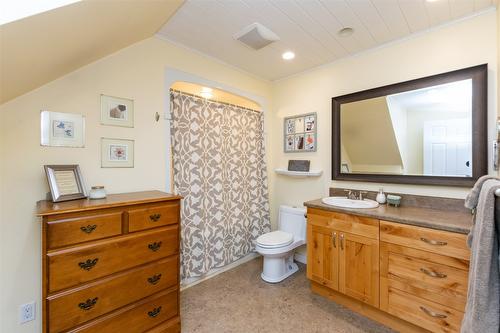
436,241
428,279
152,216
83,229
71,308
429,315
138,317
72,266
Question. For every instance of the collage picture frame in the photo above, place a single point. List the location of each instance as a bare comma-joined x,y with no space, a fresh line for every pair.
300,133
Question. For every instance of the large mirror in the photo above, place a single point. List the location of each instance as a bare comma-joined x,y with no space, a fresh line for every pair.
426,131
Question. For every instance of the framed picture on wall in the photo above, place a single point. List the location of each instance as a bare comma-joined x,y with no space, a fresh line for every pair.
117,111
117,153
300,133
62,129
65,182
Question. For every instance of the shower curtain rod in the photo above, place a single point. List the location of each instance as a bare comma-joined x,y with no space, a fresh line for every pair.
216,101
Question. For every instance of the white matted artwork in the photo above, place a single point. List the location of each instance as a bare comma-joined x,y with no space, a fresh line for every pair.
117,153
300,133
117,111
60,129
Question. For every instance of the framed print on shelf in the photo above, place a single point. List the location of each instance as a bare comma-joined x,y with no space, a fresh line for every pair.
117,153
117,111
300,133
65,182
62,129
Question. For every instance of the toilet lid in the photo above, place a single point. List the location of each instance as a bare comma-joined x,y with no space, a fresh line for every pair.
275,239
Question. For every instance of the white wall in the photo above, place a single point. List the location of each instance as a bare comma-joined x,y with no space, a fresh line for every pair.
136,72
462,44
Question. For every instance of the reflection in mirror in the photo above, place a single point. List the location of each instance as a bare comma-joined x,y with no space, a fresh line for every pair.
417,132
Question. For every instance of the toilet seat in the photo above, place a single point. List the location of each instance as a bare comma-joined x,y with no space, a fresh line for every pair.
275,239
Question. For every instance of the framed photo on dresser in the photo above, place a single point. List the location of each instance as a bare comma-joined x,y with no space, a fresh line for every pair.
65,182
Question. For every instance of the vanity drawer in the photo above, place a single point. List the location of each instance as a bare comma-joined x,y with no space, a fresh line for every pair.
138,317
429,315
80,305
357,225
72,266
83,229
436,241
152,216
426,277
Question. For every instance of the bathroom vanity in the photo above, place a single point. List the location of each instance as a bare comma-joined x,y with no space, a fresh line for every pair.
111,265
405,267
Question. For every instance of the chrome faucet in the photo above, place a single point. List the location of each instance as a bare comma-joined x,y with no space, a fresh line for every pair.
355,196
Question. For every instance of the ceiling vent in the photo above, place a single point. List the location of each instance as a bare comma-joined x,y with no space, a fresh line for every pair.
256,36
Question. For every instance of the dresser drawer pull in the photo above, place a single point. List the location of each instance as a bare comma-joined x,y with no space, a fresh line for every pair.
88,304
155,312
88,229
432,313
433,273
154,246
154,217
433,242
154,279
88,264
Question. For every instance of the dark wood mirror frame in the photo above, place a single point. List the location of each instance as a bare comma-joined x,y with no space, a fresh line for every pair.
479,76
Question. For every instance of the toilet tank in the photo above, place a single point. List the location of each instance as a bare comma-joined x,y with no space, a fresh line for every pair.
293,220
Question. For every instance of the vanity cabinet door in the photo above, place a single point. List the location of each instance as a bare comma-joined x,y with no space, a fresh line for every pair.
359,267
323,254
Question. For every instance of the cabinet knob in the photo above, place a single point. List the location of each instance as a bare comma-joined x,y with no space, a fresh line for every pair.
155,246
432,314
88,304
88,264
334,239
433,242
154,217
342,241
154,279
432,273
155,312
88,229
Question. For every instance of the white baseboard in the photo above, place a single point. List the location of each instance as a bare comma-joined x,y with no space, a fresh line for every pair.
194,281
302,258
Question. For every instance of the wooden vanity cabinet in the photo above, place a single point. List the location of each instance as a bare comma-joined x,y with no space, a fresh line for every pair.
343,254
111,265
414,279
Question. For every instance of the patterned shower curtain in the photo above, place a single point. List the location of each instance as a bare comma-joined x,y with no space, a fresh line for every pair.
220,169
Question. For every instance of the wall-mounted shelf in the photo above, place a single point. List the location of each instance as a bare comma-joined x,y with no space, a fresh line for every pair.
313,173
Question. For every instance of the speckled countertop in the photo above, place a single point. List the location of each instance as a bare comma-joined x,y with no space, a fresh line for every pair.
448,220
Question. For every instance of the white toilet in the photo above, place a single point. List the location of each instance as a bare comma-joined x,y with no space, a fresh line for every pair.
278,247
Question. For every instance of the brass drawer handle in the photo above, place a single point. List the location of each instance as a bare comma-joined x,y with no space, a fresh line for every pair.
88,264
88,229
342,241
433,273
154,217
432,313
88,304
154,279
154,246
155,312
334,239
433,242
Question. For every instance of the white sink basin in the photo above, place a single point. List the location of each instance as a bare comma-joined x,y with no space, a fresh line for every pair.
349,203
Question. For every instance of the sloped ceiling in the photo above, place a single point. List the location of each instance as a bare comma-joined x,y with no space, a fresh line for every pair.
41,48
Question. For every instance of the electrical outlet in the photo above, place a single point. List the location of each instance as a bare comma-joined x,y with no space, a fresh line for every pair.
27,312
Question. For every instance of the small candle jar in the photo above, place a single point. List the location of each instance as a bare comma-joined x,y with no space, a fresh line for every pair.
97,192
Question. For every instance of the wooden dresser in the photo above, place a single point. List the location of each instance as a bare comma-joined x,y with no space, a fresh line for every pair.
111,265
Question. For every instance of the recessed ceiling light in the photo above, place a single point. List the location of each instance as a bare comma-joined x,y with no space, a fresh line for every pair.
288,55
345,32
